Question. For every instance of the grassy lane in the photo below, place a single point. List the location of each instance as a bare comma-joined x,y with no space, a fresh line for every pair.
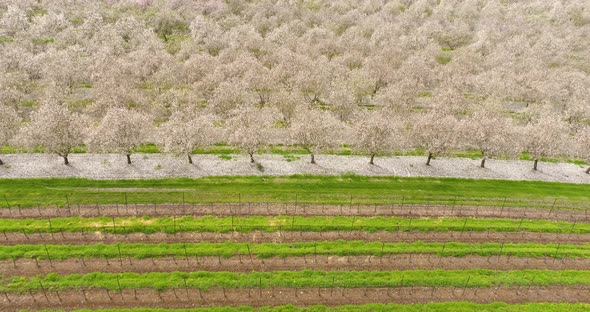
428,307
204,280
294,223
267,250
342,189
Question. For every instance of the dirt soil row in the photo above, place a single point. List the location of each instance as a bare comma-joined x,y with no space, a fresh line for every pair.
188,298
290,236
415,211
31,267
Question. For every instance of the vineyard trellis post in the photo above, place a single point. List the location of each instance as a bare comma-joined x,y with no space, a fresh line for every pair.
47,253
120,257
44,291
465,286
250,254
174,224
185,286
119,286
556,252
50,227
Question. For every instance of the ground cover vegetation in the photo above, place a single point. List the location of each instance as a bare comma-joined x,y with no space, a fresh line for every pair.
467,280
478,278
283,250
287,223
303,189
381,77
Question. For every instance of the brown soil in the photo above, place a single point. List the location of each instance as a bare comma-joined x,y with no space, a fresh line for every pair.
291,236
265,209
188,298
30,267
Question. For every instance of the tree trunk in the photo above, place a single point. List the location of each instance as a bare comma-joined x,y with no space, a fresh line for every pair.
483,162
251,157
66,161
535,164
128,159
313,159
190,159
588,170
429,158
372,158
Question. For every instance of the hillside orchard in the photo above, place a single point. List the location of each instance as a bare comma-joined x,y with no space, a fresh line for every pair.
497,77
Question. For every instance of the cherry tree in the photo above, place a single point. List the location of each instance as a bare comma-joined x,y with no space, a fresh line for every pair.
229,96
63,69
56,128
183,134
121,131
313,79
315,131
489,133
544,136
376,133
14,20
14,86
583,140
434,131
343,101
249,129
286,103
9,124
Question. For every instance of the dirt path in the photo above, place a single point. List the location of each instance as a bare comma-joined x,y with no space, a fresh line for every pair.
287,236
30,267
188,298
110,166
247,209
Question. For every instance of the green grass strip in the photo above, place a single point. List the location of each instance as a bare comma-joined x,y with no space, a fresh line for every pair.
376,307
284,223
206,280
299,188
267,250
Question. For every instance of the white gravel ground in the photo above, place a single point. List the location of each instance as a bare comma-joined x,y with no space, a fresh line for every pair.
111,166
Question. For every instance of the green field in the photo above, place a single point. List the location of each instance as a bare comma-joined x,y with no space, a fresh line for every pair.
298,151
428,307
343,189
284,223
477,278
267,250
